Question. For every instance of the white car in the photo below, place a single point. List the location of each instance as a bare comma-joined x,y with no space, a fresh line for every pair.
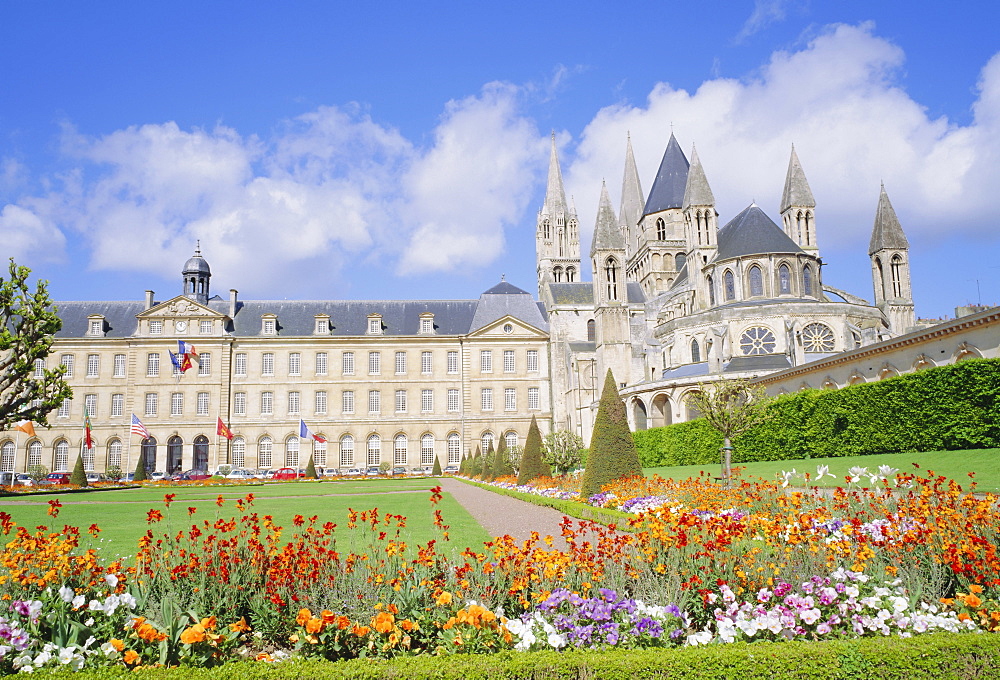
240,473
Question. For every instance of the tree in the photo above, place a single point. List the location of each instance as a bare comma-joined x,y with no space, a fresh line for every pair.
140,468
475,467
311,469
28,323
612,449
436,470
533,465
37,472
501,462
487,469
731,407
562,450
79,475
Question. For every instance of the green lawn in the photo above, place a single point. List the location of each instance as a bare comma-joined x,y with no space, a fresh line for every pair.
121,514
953,464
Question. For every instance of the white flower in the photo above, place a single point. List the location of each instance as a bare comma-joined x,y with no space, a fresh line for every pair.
66,593
111,580
702,638
810,616
887,471
556,640
823,471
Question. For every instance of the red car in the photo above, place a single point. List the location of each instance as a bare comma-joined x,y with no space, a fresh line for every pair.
286,473
56,478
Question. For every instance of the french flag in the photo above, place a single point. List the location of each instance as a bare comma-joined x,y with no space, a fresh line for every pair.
304,433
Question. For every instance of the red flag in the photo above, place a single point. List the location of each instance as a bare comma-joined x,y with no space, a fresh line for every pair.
222,430
185,363
88,440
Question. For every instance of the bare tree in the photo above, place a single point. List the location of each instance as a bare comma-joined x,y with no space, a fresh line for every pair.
562,450
731,407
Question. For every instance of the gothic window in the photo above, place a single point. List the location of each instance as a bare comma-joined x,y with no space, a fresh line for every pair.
784,280
611,276
756,282
661,230
346,451
895,271
729,283
570,274
757,340
799,222
680,259
711,291
557,274
591,331
546,230
809,227
807,280
695,351
817,337
880,282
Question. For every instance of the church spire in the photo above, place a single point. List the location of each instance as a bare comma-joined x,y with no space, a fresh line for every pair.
798,207
631,206
890,254
555,195
797,192
606,233
557,237
887,232
696,189
668,188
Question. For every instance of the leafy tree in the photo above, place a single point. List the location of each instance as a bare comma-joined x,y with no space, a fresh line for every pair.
79,475
311,469
37,472
562,450
140,468
501,461
436,471
28,323
533,465
515,454
114,473
612,450
731,407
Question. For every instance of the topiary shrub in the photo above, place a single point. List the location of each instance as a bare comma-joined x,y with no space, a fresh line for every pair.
612,449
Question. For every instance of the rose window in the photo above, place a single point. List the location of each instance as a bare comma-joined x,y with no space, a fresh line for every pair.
757,340
817,337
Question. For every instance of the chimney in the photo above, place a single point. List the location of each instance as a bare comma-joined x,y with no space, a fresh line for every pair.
149,298
232,303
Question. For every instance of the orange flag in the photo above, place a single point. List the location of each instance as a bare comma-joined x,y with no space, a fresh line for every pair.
222,430
26,426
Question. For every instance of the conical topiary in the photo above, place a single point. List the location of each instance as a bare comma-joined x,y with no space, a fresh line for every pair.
501,461
436,471
612,450
140,468
533,465
487,471
476,464
79,476
463,467
311,469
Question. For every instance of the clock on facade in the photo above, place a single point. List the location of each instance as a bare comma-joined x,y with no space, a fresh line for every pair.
181,326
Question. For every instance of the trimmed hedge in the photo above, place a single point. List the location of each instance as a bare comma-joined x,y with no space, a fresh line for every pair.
939,409
941,656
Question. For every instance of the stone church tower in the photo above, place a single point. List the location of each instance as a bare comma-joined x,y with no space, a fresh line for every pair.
890,254
611,312
557,236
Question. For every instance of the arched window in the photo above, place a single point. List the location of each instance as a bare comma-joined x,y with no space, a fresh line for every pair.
809,227
661,230
346,451
486,441
175,448
729,283
799,224
896,272
557,274
680,259
148,453
570,274
695,351
374,450
7,456
756,281
591,331
115,454
611,276
34,454
399,450
60,460
817,337
238,452
319,453
711,291
784,280
511,439
880,278
546,230
807,280
454,449
427,450
200,458
292,451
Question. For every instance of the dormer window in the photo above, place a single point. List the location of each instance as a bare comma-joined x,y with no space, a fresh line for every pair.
269,325
156,326
426,324
322,324
95,326
375,324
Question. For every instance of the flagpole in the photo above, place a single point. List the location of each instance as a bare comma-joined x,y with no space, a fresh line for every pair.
128,448
17,445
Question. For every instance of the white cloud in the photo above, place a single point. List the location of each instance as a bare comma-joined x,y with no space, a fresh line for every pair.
29,238
765,13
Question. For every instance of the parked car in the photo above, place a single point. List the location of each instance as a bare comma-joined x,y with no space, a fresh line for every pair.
24,479
451,470
95,477
286,473
352,472
157,475
329,473
55,478
8,478
373,471
197,475
420,472
240,474
399,471
269,474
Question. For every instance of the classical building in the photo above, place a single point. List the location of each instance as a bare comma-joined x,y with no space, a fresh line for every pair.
402,382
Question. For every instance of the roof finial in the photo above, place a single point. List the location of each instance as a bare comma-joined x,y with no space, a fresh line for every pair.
503,277
197,247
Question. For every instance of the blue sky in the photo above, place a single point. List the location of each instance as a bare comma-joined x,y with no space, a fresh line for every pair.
398,149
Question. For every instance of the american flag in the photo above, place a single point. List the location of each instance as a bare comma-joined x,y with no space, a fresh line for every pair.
139,428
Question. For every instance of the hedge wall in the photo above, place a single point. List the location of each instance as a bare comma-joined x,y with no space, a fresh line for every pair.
945,408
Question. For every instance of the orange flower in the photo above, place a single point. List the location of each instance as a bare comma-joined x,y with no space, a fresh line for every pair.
240,626
117,644
195,633
303,617
975,589
973,601
384,622
314,626
443,599
132,657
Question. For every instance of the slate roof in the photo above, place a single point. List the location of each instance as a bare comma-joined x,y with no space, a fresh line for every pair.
697,190
668,187
606,233
582,293
752,233
686,371
757,362
887,232
797,191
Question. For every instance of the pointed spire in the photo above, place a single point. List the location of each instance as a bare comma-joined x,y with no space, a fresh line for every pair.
555,195
797,192
631,205
887,232
668,187
696,189
606,233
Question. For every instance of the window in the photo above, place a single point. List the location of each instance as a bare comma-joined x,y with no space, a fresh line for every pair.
240,403
94,365
294,363
375,325
64,408
294,403
400,401
611,276
508,361
807,280
661,229
205,327
400,363
454,449
399,450
695,351
374,401
152,402
532,361
591,331
508,328
374,363
115,453
265,448
347,366
486,361
320,363
176,404
270,326
240,368
238,452
204,364
34,453
320,407
427,450
347,401
896,275
374,450
680,259
756,282
60,461
346,451
119,366
426,363
817,337
39,369
453,401
510,439
784,280
486,441
155,326
533,401
67,361
487,399
322,326
426,401
117,405
319,453
97,326
452,363
202,403
729,283
426,325
292,451
267,364
757,340
509,399
266,403
711,291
